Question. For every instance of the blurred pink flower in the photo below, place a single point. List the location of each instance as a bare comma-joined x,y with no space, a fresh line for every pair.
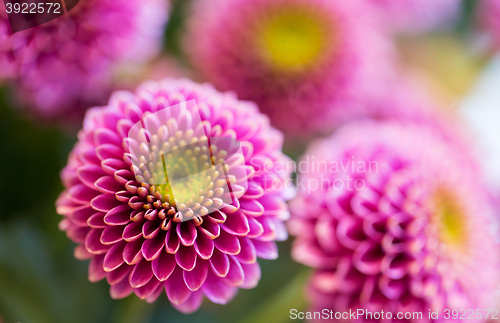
128,229
305,63
64,66
413,16
488,18
394,217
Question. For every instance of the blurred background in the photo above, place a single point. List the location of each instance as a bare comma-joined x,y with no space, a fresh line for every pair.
41,281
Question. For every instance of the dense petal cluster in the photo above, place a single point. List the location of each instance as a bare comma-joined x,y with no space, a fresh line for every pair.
134,232
393,219
305,63
65,65
488,13
418,15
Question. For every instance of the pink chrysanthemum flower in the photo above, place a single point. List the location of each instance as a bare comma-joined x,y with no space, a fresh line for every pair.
488,13
133,231
305,63
393,219
64,66
411,16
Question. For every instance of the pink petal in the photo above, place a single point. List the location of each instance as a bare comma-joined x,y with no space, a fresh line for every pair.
191,304
269,233
108,184
104,202
235,275
117,275
93,242
96,271
227,243
252,275
186,258
251,207
217,216
152,248
64,205
121,289
123,196
256,228
107,151
266,249
248,254
163,266
78,234
396,266
172,242
154,295
187,233
90,173
133,231
104,136
112,165
368,258
220,263
236,224
141,274
122,176
146,290
136,202
119,215
273,206
81,253
112,234
216,291
150,229
96,221
254,191
114,257
132,253
175,287
82,194
204,246
89,157
81,215
392,289
196,277
210,227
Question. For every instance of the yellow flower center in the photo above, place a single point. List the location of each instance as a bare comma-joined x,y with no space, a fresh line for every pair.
450,218
292,40
188,172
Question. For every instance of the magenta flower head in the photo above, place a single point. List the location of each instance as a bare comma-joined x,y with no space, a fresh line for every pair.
412,16
304,62
393,220
164,192
65,65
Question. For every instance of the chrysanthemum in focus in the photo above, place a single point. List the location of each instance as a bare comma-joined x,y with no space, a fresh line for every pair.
64,66
143,239
305,63
392,219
